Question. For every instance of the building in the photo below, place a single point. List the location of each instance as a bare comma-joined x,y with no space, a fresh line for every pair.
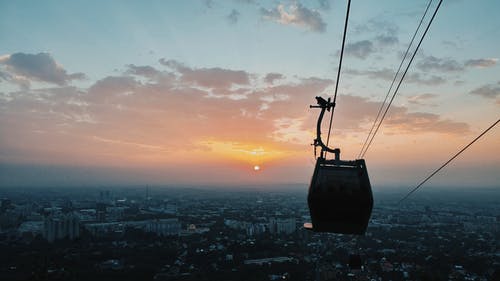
60,226
86,215
104,228
115,213
254,229
164,227
282,225
33,227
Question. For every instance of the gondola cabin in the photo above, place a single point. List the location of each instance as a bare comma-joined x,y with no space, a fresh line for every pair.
340,197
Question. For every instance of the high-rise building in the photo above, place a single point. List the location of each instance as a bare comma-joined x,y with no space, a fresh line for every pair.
285,226
59,226
105,196
282,225
100,212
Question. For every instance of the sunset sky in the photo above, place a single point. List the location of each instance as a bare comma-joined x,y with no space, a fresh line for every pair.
201,92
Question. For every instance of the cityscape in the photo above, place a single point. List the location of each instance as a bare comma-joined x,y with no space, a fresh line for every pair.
176,140
156,233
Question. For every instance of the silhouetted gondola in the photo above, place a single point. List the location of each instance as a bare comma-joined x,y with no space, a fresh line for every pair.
340,196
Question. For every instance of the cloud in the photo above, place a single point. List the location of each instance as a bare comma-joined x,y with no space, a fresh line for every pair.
209,77
354,113
271,77
360,49
429,63
144,71
38,67
296,15
171,119
325,4
481,63
418,78
487,91
388,75
421,99
112,87
208,3
383,74
233,16
450,44
21,81
386,40
140,145
420,122
377,26
4,76
449,65
380,35
291,130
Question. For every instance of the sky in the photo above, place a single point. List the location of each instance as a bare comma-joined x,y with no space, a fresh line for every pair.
201,92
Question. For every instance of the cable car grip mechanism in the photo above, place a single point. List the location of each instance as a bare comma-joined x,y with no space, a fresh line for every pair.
324,105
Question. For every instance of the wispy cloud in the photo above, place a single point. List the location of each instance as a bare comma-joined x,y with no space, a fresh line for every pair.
414,122
386,40
271,77
380,36
325,4
421,99
388,75
489,91
296,15
208,3
377,26
428,63
481,63
126,143
360,49
209,77
145,71
233,17
449,65
356,112
421,79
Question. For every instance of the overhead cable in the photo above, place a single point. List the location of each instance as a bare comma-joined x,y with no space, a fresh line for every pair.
338,72
401,80
394,79
447,162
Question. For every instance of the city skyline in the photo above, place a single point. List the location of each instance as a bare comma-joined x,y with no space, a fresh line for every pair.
196,234
202,92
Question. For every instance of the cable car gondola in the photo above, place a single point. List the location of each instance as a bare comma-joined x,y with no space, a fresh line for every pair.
340,197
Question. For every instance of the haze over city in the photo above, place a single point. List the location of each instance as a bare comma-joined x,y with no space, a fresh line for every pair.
218,92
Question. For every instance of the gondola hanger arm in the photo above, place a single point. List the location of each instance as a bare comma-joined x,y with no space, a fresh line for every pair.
324,105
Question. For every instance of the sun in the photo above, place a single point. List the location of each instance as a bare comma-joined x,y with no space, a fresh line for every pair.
256,168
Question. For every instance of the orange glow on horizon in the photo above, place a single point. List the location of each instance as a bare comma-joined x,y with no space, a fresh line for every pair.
245,153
